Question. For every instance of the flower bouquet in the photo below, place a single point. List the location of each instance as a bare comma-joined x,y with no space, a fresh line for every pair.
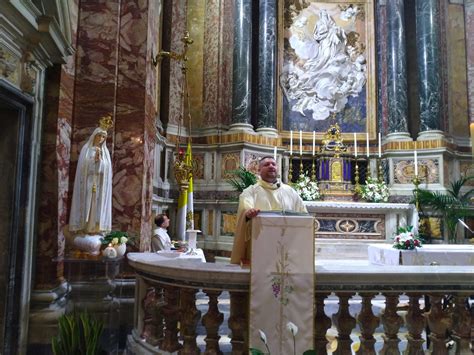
115,240
374,190
306,188
406,239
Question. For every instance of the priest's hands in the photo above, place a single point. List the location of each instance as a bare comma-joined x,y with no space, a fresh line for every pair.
251,213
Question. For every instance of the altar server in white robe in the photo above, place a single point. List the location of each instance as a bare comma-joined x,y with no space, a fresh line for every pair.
91,209
268,194
161,240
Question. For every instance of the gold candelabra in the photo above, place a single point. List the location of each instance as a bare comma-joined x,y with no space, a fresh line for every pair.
416,181
313,171
379,170
357,188
173,55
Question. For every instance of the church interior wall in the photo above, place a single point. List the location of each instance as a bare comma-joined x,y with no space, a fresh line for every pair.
96,59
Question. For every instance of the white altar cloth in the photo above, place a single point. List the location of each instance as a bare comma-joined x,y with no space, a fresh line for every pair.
164,255
442,254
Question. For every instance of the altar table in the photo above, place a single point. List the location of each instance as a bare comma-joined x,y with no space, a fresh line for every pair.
432,254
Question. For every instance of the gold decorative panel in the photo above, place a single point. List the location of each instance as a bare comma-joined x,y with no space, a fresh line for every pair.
230,162
228,223
198,166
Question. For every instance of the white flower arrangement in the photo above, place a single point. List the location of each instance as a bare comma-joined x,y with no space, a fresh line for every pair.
406,239
306,188
374,190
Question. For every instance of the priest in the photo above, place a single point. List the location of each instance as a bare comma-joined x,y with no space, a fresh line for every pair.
268,194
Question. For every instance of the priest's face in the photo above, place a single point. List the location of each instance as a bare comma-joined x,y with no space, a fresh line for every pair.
268,170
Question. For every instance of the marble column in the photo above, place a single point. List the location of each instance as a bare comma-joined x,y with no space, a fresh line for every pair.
429,68
396,72
242,67
469,26
382,83
266,120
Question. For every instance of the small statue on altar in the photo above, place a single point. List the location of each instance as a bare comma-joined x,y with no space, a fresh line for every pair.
91,208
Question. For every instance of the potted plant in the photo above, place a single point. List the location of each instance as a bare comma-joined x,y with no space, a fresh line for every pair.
79,333
452,205
117,240
242,178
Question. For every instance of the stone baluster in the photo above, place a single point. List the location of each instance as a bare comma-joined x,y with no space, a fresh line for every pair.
190,317
462,323
368,322
415,324
238,322
321,324
152,305
439,322
171,313
391,324
212,321
344,323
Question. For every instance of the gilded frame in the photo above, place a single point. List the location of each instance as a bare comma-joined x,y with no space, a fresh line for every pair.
370,86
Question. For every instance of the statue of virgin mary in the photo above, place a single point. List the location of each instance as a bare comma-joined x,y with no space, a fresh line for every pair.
91,209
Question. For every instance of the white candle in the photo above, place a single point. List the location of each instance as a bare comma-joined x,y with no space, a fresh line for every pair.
355,144
314,142
275,153
301,142
367,137
291,142
380,145
416,163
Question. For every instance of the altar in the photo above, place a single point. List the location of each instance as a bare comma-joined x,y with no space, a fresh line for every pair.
360,220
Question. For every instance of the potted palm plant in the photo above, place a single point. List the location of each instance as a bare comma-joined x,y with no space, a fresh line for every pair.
453,205
242,178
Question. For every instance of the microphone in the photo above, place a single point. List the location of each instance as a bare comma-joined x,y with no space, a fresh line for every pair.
278,184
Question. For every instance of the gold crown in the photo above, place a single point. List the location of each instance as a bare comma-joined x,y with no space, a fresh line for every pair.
106,122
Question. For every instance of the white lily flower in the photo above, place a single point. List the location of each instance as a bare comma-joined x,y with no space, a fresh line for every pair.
292,328
263,337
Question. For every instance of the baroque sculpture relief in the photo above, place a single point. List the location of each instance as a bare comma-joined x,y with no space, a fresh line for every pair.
325,74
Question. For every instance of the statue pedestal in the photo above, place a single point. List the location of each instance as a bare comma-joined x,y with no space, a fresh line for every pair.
88,243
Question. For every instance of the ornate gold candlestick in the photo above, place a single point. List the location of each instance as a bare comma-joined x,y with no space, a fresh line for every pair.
313,171
356,178
290,169
379,169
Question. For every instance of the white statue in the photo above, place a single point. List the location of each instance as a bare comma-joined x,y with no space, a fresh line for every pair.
91,208
329,74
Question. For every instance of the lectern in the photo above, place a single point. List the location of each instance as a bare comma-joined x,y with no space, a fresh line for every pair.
282,283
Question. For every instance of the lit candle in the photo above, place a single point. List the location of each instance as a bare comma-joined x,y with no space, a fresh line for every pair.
355,144
367,137
291,142
314,142
416,163
301,142
380,146
275,153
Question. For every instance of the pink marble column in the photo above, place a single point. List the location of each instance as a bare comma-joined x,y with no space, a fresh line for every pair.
469,18
135,120
54,168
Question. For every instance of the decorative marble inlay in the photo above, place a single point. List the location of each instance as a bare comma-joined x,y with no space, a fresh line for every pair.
467,169
210,222
428,171
228,223
431,226
335,225
251,161
230,162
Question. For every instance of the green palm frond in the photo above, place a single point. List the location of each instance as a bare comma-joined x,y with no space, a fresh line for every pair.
242,178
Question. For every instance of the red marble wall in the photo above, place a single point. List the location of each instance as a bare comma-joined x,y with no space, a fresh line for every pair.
217,64
178,25
54,168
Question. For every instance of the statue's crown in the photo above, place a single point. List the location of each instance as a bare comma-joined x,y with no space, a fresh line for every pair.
106,122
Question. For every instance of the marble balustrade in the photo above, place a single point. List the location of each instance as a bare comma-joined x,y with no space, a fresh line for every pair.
166,290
